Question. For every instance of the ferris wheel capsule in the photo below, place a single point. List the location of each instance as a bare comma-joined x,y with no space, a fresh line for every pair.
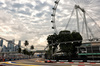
52,21
52,14
54,8
56,2
53,27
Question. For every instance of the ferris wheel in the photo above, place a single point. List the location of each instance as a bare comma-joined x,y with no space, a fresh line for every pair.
80,11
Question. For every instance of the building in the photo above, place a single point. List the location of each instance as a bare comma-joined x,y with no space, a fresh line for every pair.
19,43
90,50
1,42
4,49
16,48
10,46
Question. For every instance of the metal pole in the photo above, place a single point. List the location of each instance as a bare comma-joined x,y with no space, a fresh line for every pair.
52,50
85,24
76,7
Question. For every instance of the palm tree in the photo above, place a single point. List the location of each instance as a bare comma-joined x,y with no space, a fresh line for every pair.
26,43
31,52
32,47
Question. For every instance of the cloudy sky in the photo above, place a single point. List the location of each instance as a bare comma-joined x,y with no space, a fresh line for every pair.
31,19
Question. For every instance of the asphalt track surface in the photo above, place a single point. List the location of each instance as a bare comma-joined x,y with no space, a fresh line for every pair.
36,62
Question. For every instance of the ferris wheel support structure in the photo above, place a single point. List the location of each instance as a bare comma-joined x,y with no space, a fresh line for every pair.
76,7
86,25
84,19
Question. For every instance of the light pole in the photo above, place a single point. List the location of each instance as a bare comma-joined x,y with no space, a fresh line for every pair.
51,48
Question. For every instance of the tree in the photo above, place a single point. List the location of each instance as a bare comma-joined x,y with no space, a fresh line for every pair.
76,37
65,36
51,39
32,47
31,53
26,43
24,51
63,39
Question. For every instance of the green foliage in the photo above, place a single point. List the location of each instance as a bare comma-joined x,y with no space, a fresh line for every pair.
52,39
32,47
27,52
64,36
76,36
64,32
26,43
66,48
49,52
24,51
31,53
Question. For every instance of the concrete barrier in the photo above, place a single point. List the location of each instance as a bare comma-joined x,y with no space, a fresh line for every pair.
97,61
